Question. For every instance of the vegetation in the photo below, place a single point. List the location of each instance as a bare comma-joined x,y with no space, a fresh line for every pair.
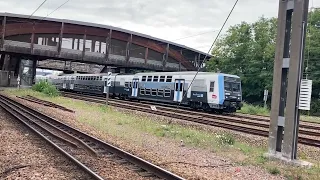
248,50
256,110
46,88
274,170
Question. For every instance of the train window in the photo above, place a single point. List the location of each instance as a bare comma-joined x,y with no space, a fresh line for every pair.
155,78
167,93
149,78
160,92
143,78
126,84
162,78
211,86
142,91
147,91
169,79
153,92
130,84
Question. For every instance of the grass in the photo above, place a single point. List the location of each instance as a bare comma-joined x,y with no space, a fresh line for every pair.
274,170
255,110
134,128
258,110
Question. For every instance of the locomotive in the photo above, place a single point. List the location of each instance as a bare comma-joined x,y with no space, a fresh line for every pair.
209,91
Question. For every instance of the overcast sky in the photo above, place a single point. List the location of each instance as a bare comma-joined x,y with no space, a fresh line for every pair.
166,19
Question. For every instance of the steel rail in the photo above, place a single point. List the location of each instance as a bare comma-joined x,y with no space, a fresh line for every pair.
197,119
207,115
141,163
15,113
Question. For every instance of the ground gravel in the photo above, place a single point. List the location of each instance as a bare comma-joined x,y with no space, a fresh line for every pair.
23,155
188,162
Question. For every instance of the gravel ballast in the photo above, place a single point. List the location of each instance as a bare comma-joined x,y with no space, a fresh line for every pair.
23,155
188,162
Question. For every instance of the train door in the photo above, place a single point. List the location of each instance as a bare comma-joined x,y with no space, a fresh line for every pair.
178,90
135,83
105,84
64,83
72,83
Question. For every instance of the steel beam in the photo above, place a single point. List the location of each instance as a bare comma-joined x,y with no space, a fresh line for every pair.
165,59
60,38
146,55
84,45
93,45
72,43
108,44
128,48
32,41
4,22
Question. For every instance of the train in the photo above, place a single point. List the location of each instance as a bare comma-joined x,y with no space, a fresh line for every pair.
208,91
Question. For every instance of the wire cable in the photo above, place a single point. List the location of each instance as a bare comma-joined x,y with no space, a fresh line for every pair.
236,2
37,9
56,9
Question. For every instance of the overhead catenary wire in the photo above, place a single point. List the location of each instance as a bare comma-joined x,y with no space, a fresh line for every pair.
56,9
234,5
37,9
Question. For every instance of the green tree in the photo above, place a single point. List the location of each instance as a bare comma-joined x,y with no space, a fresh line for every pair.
248,51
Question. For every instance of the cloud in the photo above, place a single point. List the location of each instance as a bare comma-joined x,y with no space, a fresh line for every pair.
166,19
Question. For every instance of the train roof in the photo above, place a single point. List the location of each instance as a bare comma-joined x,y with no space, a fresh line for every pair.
185,73
158,73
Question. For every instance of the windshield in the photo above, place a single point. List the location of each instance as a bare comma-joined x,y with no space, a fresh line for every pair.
234,87
227,86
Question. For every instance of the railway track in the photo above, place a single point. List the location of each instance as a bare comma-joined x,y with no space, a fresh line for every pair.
202,118
85,151
234,119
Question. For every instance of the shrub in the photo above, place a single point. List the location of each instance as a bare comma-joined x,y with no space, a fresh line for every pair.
40,86
46,88
256,110
225,139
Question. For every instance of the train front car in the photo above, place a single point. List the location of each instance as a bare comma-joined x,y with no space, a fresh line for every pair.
231,92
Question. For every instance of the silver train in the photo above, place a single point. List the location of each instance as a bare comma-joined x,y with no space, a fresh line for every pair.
209,91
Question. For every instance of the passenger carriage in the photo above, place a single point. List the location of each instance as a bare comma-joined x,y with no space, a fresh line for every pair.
209,91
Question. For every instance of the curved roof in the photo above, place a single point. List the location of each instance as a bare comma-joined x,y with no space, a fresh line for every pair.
101,26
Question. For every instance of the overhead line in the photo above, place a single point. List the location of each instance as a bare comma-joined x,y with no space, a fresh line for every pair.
57,8
37,9
209,50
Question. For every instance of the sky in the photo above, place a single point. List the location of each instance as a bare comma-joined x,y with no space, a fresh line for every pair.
173,20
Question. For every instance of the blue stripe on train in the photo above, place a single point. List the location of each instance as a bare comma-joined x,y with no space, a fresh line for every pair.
221,88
